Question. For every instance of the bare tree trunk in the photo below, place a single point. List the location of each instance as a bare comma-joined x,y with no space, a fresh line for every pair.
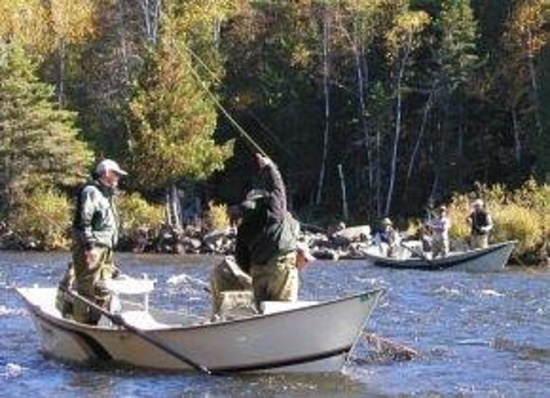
121,27
378,174
151,14
460,156
397,130
517,139
326,91
414,154
345,212
62,53
535,90
173,208
362,74
416,149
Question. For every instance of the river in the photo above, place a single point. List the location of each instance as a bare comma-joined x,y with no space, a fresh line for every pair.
478,335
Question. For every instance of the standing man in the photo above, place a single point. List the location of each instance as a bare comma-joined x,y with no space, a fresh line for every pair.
481,225
387,239
266,244
95,234
440,226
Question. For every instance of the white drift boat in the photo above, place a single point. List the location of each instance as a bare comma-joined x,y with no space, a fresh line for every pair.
302,337
490,259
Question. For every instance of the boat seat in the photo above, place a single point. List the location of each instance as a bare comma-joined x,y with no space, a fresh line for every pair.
142,320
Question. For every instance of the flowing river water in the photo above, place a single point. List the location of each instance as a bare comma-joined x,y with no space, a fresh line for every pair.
478,335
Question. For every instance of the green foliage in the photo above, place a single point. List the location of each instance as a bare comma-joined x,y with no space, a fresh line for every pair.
217,217
173,115
146,87
42,220
39,143
515,222
135,213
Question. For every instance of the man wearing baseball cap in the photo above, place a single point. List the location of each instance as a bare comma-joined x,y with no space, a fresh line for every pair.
95,232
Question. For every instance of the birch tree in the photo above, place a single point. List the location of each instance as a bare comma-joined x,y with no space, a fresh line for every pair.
523,39
368,20
402,40
326,23
456,56
70,22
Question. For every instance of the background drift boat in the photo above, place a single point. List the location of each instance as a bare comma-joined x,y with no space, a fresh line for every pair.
493,258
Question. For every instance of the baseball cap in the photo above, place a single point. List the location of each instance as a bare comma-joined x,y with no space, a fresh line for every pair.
108,164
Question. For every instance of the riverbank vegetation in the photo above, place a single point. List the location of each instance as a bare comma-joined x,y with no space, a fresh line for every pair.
371,108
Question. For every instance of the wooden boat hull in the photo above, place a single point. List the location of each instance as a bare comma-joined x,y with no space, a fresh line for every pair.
491,259
314,338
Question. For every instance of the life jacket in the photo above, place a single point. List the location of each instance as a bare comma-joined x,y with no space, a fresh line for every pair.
103,226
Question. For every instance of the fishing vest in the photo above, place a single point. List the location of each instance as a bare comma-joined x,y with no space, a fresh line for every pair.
102,229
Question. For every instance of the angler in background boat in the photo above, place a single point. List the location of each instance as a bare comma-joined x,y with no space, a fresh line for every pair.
95,235
481,224
387,238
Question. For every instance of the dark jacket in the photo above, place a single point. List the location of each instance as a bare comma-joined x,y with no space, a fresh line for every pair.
480,222
95,221
267,230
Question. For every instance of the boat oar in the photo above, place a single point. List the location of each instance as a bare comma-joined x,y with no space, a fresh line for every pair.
119,320
418,253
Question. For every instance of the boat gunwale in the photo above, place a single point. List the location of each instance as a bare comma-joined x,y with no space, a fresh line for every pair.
368,295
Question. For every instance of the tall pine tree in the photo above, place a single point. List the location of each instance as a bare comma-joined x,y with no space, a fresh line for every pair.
39,144
173,113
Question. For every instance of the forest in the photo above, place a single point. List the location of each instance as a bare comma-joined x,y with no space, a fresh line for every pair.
369,107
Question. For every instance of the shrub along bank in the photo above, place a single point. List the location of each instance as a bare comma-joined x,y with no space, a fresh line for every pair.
42,222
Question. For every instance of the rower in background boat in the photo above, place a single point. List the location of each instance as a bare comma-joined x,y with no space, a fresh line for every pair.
481,224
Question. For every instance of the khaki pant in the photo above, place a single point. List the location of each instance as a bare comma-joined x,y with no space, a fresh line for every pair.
440,247
479,241
88,278
277,280
63,301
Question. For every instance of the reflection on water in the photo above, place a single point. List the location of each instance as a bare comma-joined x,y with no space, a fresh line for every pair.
476,335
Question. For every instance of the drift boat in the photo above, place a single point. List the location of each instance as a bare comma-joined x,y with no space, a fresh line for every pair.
289,337
490,259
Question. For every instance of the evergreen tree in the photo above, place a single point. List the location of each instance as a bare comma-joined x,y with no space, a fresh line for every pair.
173,113
39,144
